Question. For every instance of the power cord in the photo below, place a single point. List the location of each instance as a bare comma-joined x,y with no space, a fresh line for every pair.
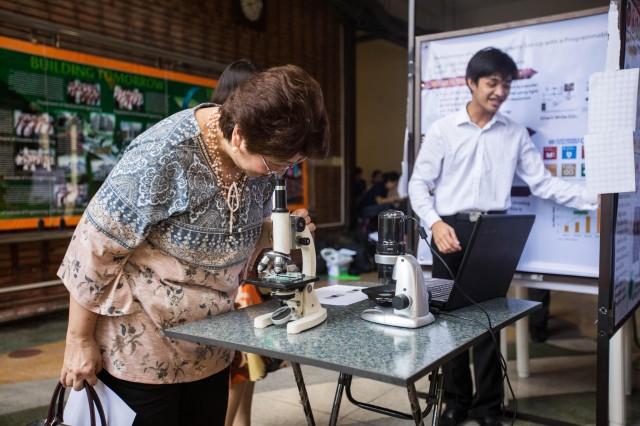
503,362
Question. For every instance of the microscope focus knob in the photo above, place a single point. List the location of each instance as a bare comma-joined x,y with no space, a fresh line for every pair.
401,301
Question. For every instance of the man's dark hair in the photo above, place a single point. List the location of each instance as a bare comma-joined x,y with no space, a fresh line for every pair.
280,112
233,75
375,173
391,177
489,61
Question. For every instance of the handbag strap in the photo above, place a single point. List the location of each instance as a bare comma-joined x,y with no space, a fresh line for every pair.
55,413
54,405
92,396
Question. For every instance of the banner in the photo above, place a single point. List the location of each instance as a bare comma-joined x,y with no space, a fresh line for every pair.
65,119
555,60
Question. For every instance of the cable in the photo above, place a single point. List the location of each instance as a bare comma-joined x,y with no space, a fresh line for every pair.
503,362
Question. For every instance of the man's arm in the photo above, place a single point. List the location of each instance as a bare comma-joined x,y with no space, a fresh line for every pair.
531,170
426,171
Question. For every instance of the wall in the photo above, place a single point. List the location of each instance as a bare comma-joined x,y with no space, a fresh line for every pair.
381,96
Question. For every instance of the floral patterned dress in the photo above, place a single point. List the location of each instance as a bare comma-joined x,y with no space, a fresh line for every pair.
153,250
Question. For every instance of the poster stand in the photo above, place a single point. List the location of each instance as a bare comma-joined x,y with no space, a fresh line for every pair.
612,313
607,322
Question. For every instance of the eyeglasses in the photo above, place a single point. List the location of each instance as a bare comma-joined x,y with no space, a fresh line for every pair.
279,169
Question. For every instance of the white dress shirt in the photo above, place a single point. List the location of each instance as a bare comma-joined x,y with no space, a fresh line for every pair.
462,167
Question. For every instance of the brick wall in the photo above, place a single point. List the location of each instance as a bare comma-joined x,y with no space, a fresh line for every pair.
302,32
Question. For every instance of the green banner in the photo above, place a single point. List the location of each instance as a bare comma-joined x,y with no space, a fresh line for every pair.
64,125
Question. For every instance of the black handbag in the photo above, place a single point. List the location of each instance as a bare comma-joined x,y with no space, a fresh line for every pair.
56,408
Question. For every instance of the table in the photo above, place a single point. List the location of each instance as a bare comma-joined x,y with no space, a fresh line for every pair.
354,347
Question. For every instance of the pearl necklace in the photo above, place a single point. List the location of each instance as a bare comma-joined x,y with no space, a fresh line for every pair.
233,191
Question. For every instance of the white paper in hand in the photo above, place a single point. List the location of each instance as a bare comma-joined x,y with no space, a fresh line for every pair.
76,411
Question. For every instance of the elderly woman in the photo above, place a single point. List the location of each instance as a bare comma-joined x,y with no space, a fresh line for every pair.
167,236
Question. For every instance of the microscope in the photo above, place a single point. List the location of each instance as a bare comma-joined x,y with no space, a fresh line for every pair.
300,308
401,277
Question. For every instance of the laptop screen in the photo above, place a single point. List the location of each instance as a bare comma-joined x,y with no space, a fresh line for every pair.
491,258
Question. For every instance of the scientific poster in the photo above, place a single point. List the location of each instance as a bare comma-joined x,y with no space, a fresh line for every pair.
555,60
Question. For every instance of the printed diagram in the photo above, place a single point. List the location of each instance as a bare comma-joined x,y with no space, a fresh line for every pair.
576,223
560,97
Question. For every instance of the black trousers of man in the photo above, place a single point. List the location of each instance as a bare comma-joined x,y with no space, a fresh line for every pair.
458,387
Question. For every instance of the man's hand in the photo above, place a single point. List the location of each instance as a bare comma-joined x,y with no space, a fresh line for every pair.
445,238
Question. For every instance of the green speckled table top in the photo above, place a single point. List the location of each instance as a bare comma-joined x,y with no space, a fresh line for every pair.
346,343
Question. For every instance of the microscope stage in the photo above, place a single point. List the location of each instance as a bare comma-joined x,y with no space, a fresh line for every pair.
283,282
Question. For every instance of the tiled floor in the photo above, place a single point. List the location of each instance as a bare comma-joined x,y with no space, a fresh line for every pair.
561,385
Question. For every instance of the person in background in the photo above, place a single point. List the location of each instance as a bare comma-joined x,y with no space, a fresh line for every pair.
358,188
167,237
466,166
376,177
246,368
233,75
381,196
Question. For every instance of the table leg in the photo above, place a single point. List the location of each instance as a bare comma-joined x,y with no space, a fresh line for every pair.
416,412
343,380
302,390
505,354
522,338
439,378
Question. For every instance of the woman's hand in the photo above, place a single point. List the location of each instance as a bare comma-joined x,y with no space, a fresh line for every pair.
305,214
82,361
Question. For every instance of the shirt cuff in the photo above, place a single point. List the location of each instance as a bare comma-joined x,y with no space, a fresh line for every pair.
590,200
432,217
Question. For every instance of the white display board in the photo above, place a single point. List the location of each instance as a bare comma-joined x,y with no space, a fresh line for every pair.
555,60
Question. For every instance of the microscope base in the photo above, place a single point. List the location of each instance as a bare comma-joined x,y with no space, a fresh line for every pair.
293,327
387,317
306,322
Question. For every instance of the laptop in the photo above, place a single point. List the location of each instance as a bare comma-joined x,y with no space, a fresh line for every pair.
488,264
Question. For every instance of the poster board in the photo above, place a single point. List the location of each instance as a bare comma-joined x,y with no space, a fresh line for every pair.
555,57
65,120
626,253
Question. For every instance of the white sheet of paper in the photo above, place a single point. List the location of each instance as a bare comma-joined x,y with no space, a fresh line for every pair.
76,411
340,295
613,45
609,162
613,100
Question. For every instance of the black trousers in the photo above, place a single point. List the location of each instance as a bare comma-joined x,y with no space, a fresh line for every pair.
199,403
458,387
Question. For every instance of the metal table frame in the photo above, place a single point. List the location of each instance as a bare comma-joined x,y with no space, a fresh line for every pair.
201,332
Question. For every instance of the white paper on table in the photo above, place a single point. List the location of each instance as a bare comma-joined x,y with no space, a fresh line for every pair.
340,295
613,100
609,162
117,412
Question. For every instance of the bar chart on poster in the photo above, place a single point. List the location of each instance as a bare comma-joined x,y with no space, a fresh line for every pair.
550,96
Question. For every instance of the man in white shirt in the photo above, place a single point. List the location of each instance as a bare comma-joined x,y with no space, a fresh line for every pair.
466,165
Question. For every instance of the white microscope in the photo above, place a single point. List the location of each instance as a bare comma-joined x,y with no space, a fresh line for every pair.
409,297
300,308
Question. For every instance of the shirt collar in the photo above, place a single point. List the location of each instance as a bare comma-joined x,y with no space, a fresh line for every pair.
462,117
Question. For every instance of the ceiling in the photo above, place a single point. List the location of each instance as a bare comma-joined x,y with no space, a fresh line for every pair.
387,19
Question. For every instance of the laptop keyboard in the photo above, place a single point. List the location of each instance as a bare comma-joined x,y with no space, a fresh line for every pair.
440,289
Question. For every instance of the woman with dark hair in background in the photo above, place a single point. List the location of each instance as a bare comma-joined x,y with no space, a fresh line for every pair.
233,75
246,368
166,240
